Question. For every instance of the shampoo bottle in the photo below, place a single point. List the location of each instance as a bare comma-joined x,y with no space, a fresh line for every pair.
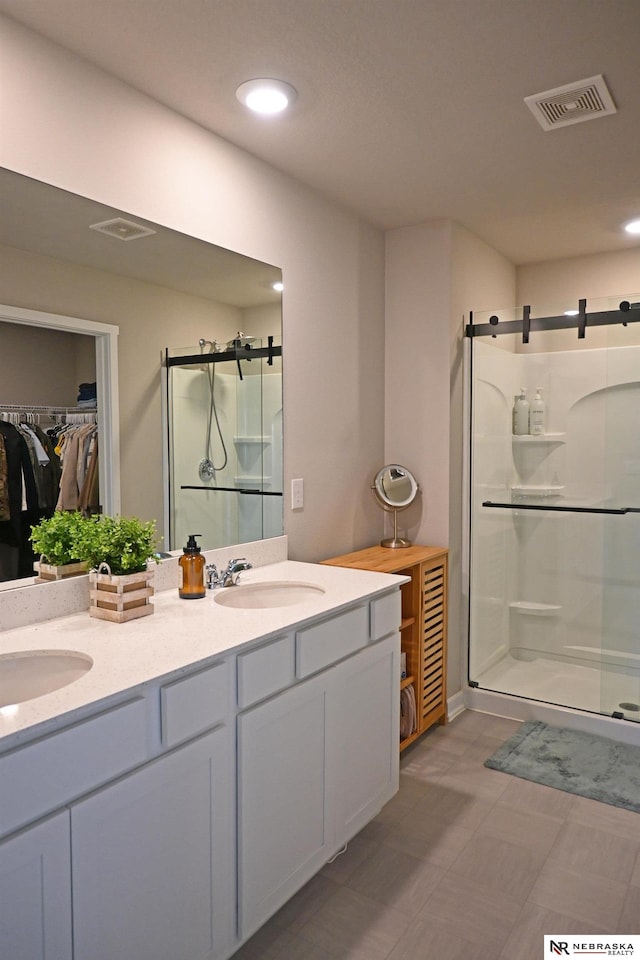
536,414
192,571
521,414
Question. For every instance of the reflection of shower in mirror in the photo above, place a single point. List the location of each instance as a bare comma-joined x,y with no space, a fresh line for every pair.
224,421
207,468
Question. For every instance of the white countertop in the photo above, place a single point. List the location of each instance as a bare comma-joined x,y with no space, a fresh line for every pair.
179,635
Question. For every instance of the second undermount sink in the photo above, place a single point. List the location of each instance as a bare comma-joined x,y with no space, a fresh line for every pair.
33,673
274,593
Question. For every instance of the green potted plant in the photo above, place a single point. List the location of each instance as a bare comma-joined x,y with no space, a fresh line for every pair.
117,551
56,541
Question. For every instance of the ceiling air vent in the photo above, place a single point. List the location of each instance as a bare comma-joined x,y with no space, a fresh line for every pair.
122,229
573,103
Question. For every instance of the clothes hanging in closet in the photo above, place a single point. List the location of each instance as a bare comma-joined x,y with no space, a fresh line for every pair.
4,482
78,450
45,463
41,472
20,496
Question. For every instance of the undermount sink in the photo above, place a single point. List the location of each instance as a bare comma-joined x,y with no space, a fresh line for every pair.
33,673
274,593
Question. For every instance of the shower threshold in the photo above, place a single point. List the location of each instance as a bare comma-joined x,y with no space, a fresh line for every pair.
598,689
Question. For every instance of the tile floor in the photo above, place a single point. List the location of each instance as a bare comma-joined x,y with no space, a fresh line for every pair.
465,863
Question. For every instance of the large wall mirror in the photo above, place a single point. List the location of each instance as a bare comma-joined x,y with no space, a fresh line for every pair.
199,375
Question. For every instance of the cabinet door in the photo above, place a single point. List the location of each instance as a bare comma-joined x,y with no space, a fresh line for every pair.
35,892
283,815
365,733
152,871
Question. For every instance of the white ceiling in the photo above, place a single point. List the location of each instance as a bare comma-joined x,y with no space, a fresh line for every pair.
408,110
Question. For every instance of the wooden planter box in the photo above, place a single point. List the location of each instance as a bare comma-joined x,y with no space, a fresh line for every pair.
47,572
120,598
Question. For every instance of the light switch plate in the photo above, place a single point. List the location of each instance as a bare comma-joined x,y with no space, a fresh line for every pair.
297,494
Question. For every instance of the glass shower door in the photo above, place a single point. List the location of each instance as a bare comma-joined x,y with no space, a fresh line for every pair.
224,418
554,526
620,647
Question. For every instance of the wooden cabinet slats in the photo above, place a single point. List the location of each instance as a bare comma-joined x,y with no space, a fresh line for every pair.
424,622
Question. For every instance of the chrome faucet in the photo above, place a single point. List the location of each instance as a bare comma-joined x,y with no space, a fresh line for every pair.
228,577
231,575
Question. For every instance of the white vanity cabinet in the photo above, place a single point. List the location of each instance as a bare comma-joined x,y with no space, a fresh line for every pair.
35,892
365,734
145,862
152,853
317,761
150,859
176,815
284,834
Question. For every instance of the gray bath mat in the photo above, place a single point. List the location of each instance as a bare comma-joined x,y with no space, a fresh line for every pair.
576,762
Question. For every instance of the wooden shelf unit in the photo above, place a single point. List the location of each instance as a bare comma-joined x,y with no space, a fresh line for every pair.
423,628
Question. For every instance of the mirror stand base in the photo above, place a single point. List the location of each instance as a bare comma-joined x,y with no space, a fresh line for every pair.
395,542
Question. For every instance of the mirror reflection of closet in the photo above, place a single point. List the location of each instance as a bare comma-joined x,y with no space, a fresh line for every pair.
48,394
48,406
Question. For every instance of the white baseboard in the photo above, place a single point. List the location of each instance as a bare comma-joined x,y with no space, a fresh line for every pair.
455,705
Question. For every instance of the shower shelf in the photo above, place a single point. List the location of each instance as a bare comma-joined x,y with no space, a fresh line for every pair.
535,609
261,440
259,480
537,490
540,438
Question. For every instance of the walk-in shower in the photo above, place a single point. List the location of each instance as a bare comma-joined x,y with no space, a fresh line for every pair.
554,591
224,441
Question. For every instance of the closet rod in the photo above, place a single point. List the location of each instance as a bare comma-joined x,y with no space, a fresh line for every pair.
627,313
23,412
43,408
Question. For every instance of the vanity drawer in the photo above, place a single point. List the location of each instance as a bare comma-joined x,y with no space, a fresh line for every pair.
42,776
193,704
324,643
265,670
386,614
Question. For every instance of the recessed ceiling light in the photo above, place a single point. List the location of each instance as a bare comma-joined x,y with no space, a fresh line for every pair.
266,96
278,286
633,226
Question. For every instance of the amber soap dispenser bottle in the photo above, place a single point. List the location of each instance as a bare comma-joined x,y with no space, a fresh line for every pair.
192,571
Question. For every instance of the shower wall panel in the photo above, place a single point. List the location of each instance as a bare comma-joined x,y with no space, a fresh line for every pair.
212,514
548,584
249,414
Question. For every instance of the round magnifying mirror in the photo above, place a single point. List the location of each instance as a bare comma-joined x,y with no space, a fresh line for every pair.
395,488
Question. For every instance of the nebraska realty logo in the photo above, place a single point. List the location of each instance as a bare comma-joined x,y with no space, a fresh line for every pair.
563,945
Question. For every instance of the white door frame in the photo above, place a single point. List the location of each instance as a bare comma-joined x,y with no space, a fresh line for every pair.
106,338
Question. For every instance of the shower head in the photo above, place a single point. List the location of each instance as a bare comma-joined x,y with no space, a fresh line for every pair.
213,345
